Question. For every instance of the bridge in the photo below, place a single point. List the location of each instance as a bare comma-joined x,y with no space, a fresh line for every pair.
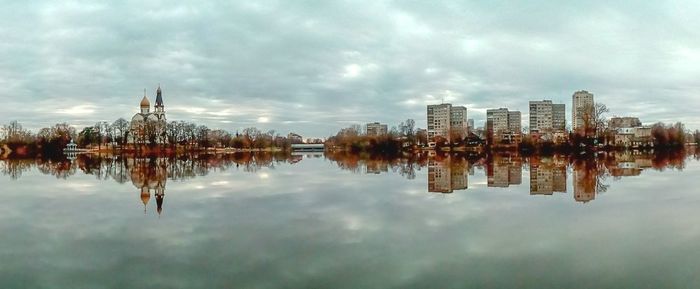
303,147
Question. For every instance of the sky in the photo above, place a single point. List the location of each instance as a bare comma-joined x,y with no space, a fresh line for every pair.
313,67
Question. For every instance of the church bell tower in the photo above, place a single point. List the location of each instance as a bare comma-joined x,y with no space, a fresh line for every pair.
159,108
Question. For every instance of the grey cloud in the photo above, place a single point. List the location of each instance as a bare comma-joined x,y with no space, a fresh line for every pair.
311,67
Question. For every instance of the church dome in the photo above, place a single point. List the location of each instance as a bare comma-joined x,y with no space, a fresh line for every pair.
145,102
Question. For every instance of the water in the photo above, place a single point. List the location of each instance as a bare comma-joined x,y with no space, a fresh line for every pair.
344,221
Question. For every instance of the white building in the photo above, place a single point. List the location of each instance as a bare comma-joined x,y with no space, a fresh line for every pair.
459,125
376,129
147,126
547,117
439,121
445,120
502,124
580,101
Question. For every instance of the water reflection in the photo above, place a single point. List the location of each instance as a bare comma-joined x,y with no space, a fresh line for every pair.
149,175
547,174
504,170
446,172
350,221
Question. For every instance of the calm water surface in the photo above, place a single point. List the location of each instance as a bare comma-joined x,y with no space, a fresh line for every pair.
343,221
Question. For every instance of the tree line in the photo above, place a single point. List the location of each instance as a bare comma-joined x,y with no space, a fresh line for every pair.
118,135
405,136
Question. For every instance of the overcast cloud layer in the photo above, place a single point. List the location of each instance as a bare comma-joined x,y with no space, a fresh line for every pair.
315,66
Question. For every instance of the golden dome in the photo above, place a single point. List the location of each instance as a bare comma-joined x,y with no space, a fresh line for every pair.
145,102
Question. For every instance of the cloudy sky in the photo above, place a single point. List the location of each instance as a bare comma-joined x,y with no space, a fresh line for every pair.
313,67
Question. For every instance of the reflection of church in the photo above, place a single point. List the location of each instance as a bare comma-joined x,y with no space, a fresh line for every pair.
149,175
147,126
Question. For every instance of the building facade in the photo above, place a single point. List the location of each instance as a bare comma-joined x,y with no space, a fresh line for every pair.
447,121
581,101
295,138
547,118
459,125
622,122
503,125
376,129
439,121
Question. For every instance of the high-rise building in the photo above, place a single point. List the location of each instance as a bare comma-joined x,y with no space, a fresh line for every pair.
514,122
559,117
547,117
581,100
458,121
376,129
470,124
540,116
445,120
439,121
502,124
497,120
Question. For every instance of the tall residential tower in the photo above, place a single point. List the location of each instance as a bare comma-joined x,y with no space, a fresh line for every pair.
581,100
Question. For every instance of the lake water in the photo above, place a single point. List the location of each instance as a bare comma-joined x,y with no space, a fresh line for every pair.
345,221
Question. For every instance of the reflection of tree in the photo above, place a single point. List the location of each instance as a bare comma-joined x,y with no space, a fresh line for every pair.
589,174
120,167
448,171
15,168
406,166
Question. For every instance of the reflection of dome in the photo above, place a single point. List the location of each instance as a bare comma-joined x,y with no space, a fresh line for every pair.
145,196
145,102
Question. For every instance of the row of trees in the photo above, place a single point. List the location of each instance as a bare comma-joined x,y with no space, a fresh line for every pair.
180,133
48,140
355,139
119,135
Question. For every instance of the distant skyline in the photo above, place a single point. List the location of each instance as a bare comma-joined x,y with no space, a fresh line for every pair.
314,67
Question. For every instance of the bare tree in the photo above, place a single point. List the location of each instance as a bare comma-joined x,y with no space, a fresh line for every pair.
594,119
120,127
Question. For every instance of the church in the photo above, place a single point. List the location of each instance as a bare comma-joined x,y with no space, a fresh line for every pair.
149,127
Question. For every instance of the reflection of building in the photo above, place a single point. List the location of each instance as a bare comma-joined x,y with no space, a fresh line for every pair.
149,175
503,171
377,167
547,176
585,184
459,174
447,175
625,169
